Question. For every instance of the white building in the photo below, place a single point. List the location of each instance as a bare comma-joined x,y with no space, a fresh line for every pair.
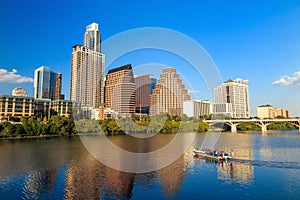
92,37
222,109
90,113
109,113
234,93
196,108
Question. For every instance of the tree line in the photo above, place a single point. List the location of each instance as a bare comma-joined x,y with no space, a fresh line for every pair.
162,123
57,125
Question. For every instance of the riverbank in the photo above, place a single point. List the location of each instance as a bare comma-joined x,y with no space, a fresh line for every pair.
20,137
61,126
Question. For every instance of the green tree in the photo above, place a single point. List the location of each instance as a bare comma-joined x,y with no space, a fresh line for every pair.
202,126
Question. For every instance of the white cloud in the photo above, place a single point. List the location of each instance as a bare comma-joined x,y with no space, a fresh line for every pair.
288,80
13,77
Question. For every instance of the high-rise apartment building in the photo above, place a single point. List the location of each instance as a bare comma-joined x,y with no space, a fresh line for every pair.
144,87
120,90
235,94
92,37
87,70
169,94
47,84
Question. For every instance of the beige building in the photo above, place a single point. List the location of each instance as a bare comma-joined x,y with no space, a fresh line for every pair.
283,113
120,90
87,70
270,112
266,112
234,92
62,107
15,107
20,92
169,94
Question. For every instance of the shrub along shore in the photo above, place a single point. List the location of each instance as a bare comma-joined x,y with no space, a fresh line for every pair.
63,126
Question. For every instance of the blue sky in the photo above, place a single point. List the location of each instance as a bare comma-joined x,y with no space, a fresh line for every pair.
254,40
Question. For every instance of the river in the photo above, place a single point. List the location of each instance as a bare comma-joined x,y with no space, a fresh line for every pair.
266,166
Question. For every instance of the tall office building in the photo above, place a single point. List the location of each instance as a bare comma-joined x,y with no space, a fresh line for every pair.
55,86
47,84
120,90
87,70
169,94
42,83
144,87
234,93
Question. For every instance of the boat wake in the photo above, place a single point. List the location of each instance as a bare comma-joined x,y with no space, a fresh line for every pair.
268,164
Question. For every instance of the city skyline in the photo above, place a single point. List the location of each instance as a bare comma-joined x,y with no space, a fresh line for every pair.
254,41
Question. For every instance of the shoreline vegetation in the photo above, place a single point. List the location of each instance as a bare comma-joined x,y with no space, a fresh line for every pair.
163,124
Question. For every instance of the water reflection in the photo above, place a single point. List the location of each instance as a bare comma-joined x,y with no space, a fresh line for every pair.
37,182
173,175
235,172
61,168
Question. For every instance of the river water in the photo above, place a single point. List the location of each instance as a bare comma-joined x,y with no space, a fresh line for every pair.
266,166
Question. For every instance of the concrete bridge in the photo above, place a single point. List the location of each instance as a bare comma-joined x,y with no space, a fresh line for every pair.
263,123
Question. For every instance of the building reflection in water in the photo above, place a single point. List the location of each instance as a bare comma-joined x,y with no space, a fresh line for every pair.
39,181
87,178
172,176
237,171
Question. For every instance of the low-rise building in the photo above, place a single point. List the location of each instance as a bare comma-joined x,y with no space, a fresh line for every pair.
270,112
223,109
62,107
281,112
20,92
109,113
196,108
15,107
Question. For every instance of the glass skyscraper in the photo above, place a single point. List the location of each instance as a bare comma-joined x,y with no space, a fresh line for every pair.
42,82
47,84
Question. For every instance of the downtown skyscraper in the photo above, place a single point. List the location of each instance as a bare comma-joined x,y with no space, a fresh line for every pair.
120,90
47,84
144,86
169,94
87,70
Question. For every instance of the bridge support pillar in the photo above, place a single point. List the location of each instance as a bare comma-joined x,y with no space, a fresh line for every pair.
233,128
264,128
